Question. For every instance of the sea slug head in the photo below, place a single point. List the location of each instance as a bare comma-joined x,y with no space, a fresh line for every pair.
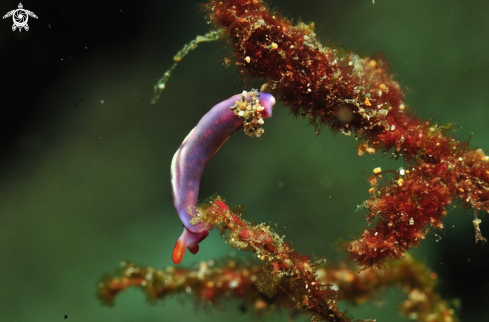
267,101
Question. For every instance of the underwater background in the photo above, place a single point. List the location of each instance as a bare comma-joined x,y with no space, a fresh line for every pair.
85,159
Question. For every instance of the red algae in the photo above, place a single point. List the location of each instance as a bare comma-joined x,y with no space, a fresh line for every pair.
357,96
282,262
285,279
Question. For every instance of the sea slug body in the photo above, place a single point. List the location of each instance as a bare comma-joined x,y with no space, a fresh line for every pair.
204,140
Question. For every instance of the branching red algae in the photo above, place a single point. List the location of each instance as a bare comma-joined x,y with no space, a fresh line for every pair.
294,272
287,279
358,96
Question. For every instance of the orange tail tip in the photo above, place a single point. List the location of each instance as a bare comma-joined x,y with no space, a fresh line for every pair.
178,252
190,240
187,239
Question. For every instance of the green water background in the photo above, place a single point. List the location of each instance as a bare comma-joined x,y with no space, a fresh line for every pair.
85,180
